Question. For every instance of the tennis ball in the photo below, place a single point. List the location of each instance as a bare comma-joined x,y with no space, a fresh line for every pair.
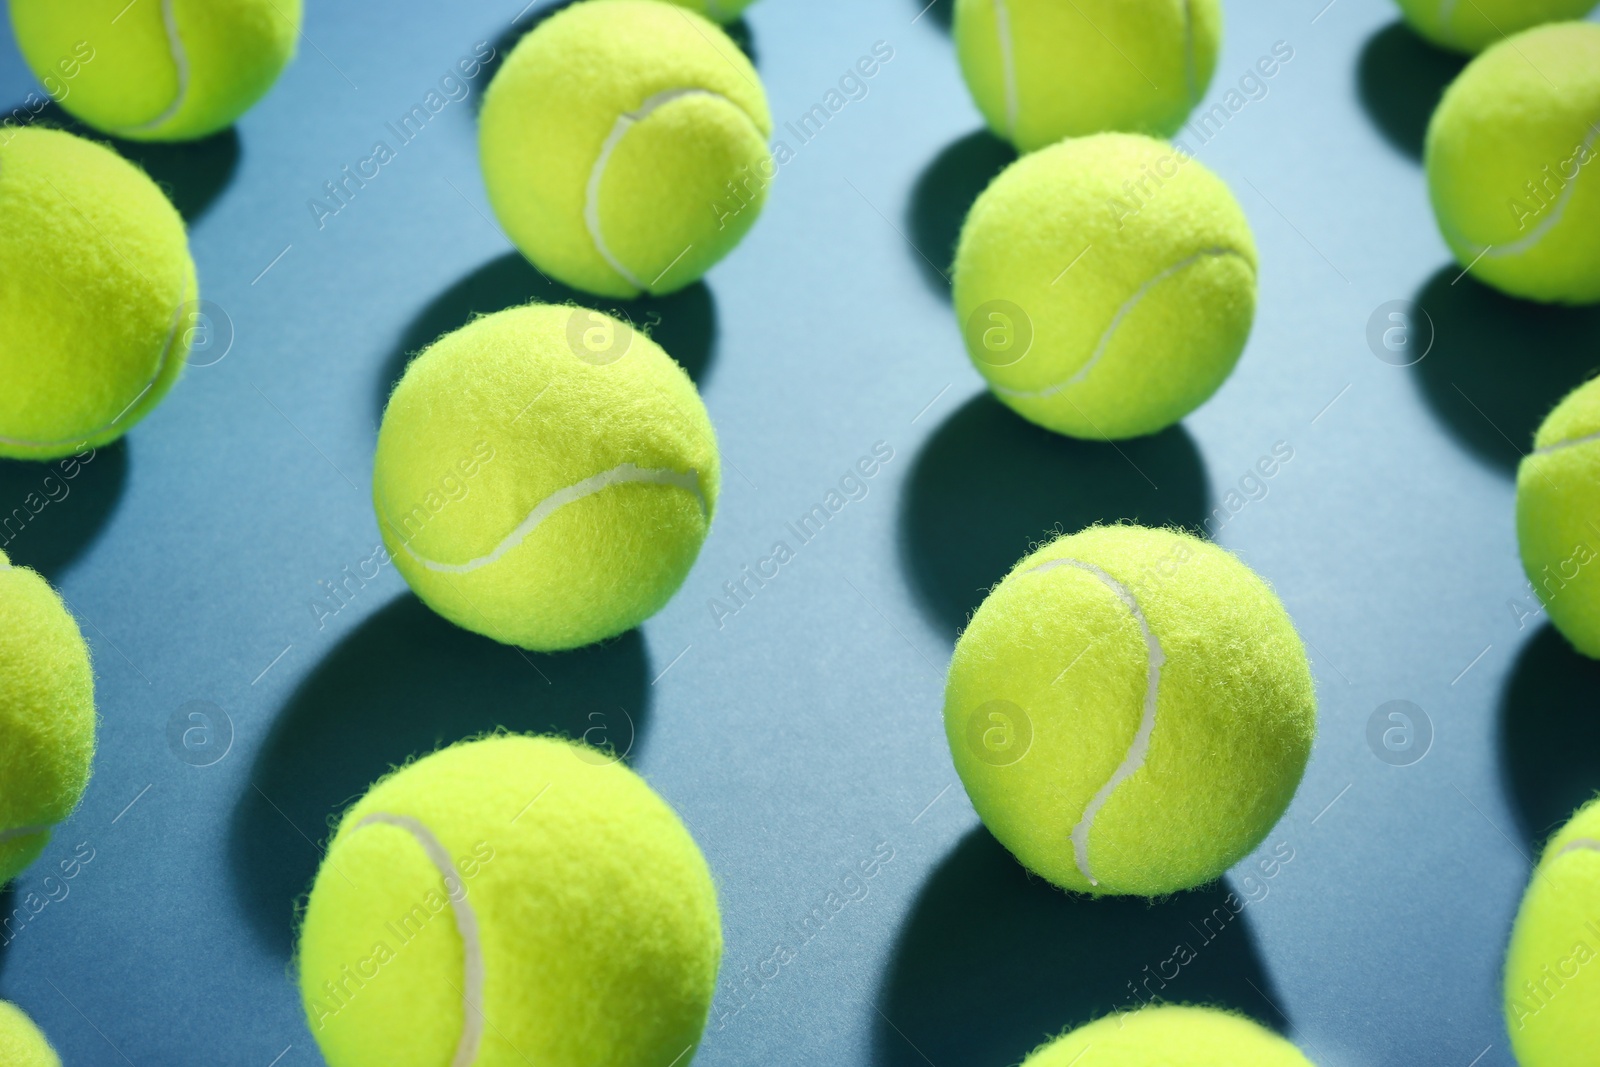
545,476
95,287
1510,156
1168,1035
510,901
22,1044
176,70
624,146
46,717
723,11
1553,964
1130,711
1474,25
1558,516
1105,285
1041,70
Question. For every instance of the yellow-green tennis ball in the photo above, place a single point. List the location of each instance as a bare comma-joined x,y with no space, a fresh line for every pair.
545,476
1105,285
624,146
46,716
1167,1036
723,11
1473,25
1130,711
510,901
95,284
1041,70
1511,161
1558,516
23,1044
1553,964
173,70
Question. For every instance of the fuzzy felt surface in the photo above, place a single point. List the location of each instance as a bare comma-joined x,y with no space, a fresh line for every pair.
94,265
496,417
21,1042
1552,985
1513,163
47,716
1473,25
1168,1036
1234,713
1138,301
1085,67
1558,516
596,915
665,208
134,84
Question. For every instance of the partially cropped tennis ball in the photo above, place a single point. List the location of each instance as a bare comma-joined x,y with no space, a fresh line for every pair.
624,146
723,11
157,70
1041,70
510,901
545,476
46,717
1168,1036
1512,165
95,287
1105,285
1473,25
1553,965
23,1044
1558,516
1130,711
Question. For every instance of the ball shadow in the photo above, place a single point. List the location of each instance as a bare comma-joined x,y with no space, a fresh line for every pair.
941,12
993,961
1400,78
1550,733
1477,379
989,483
684,323
944,194
192,173
405,683
51,512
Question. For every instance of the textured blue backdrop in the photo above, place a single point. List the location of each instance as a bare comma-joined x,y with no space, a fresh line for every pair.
803,735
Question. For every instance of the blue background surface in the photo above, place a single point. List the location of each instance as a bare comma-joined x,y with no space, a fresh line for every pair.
805,732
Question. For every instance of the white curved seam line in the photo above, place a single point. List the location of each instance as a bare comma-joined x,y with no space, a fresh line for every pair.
1556,210
1581,844
161,368
180,61
1559,445
622,474
619,129
21,831
466,926
1116,321
1008,63
1140,747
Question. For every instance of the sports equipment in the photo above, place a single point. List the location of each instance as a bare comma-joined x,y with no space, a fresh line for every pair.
22,1044
1512,164
1558,516
1105,285
1169,1035
46,717
1475,25
1130,711
95,279
723,11
176,70
545,476
624,146
509,901
1040,70
1553,964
